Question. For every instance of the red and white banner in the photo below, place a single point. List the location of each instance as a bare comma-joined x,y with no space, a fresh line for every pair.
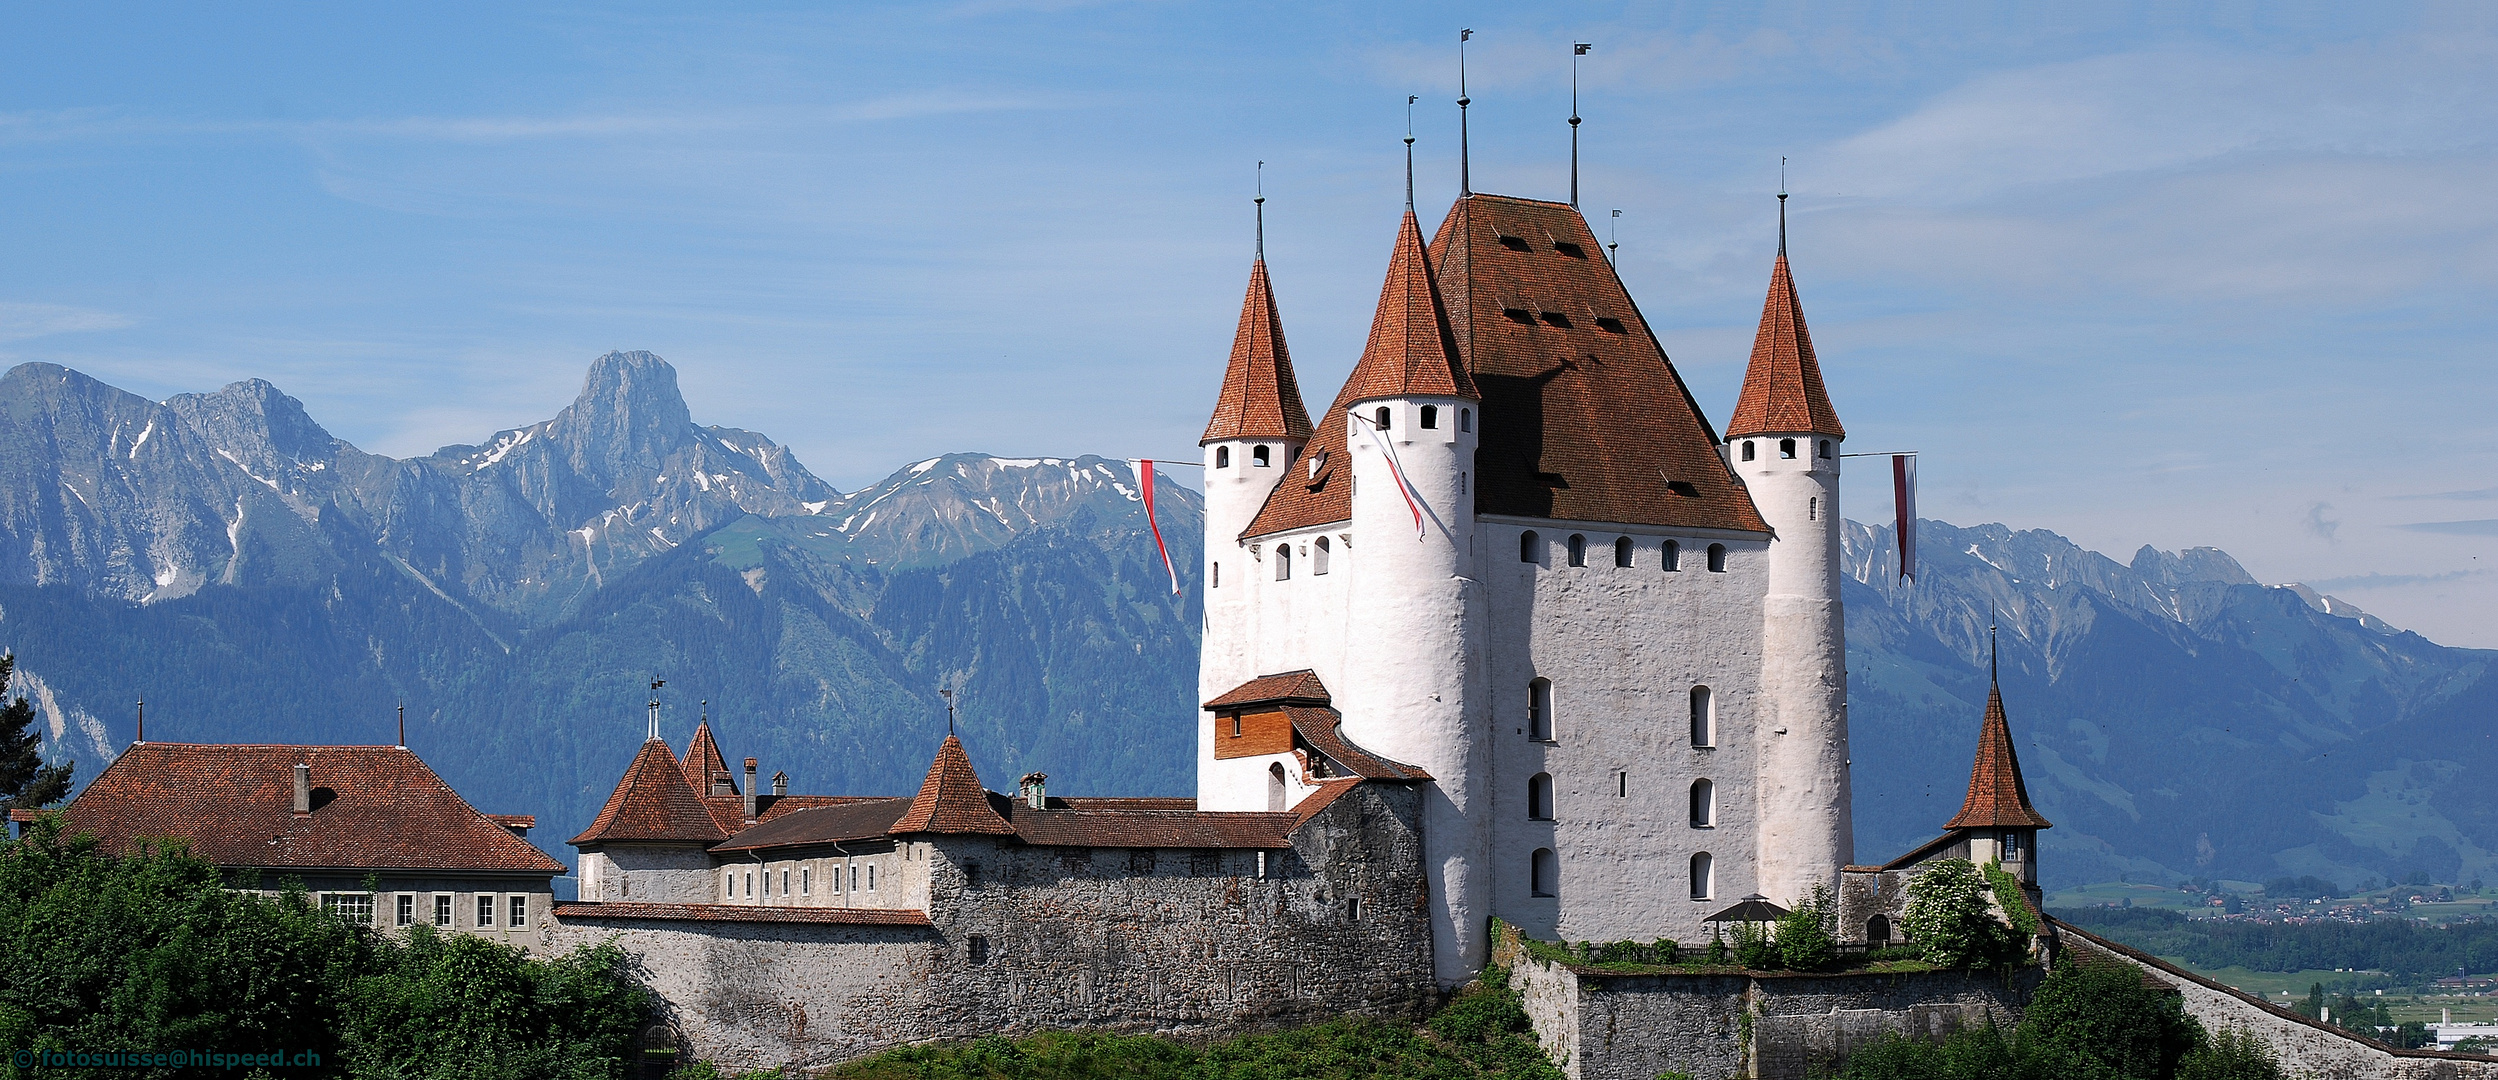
1145,485
1413,499
1904,500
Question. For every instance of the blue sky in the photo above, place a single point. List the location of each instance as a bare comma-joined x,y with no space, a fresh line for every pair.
2150,274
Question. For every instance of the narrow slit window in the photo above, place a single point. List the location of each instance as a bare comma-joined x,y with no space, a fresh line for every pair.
1717,558
1318,556
1283,562
1812,508
1544,873
1622,552
1540,710
1703,804
1430,419
1540,797
1622,785
1703,876
1703,717
1747,449
1825,449
1673,556
1222,457
1578,550
1214,576
1530,549
1381,417
1275,788
1465,419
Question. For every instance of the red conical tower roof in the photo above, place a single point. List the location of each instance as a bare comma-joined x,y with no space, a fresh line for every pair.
951,800
1782,390
1260,400
703,761
1410,352
1997,797
653,801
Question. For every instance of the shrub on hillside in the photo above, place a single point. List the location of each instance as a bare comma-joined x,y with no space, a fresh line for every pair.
1805,938
2231,1054
2104,1011
1948,917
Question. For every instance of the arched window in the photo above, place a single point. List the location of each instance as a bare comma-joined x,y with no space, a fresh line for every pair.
1812,508
1215,577
1540,797
1878,931
1703,717
1283,562
1530,549
1786,448
1578,550
1703,876
1703,804
1540,710
1465,419
1381,418
1673,556
1258,456
1430,416
1544,873
1222,457
1717,558
1622,551
1275,788
1318,556
1825,449
1747,449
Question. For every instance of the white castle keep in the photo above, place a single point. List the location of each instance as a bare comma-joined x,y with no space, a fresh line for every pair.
1610,634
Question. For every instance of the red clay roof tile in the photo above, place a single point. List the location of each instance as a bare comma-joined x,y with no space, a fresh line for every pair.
1152,829
1319,730
1260,398
653,801
1782,390
703,762
235,804
951,800
1998,799
1301,686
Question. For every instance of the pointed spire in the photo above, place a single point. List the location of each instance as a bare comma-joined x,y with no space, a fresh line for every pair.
1782,389
1260,398
1998,797
703,762
1465,173
951,800
1410,352
653,801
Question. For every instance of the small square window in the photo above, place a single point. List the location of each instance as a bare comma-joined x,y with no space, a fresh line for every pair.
485,912
442,909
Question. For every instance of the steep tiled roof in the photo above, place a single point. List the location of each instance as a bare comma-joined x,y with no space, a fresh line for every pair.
1584,418
740,913
1260,399
951,800
821,825
1318,730
654,801
703,761
1782,389
1997,797
1410,353
386,810
1301,686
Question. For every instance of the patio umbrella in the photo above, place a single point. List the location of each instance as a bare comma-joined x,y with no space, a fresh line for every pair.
1750,909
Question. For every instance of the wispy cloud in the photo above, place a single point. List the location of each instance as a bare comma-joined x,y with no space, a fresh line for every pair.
2481,527
2459,496
19,322
2389,581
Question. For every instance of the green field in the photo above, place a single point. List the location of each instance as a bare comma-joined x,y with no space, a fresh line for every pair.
2110,892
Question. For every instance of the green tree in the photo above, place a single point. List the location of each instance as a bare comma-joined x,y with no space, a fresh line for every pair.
25,781
1949,918
2231,1054
2102,1010
1805,941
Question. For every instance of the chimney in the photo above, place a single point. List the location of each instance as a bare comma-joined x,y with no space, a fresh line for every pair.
1034,790
780,784
750,789
303,788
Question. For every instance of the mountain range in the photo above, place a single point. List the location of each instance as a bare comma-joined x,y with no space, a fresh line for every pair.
255,578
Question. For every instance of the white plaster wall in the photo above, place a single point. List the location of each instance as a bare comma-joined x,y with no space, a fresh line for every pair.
1233,607
1273,626
900,878
1806,832
648,874
1623,647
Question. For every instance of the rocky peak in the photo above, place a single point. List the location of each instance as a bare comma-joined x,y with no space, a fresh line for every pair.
260,428
629,417
2190,564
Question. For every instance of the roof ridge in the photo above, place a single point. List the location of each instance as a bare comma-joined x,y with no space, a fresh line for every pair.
653,800
951,799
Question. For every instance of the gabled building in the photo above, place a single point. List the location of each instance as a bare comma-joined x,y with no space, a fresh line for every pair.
331,817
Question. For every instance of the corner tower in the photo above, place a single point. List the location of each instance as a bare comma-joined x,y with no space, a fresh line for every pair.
1784,442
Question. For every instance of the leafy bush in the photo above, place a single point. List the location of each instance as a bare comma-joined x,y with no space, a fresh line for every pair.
2103,1011
1981,1054
1755,948
1949,919
1805,938
152,949
2231,1054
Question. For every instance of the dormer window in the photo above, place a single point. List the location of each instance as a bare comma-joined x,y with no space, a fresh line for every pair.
1555,318
1610,325
1516,243
1567,248
1521,316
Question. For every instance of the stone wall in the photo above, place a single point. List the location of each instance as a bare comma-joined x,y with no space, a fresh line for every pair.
2308,1049
1606,1026
1175,940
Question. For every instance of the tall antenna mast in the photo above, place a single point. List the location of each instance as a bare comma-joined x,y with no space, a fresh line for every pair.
1410,99
656,683
1465,174
1577,49
1261,211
